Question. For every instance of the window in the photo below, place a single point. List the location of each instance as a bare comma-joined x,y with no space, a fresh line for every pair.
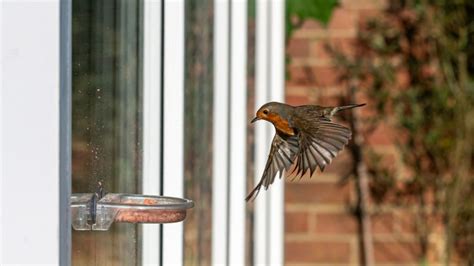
107,118
161,93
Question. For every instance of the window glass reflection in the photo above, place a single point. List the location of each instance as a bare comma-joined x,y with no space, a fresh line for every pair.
198,130
107,118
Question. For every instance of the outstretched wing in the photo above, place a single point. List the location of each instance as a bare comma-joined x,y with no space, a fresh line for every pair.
281,157
319,141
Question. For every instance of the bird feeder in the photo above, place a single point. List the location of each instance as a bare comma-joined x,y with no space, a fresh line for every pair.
97,211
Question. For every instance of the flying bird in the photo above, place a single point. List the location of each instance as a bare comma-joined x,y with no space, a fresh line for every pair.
304,134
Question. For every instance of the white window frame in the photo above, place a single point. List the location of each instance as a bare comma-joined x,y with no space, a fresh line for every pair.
220,163
270,86
238,131
35,134
151,180
163,161
173,139
229,132
47,149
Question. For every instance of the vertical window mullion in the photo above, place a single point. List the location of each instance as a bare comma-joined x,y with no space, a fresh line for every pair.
238,125
173,123
65,133
262,132
220,133
277,93
151,123
269,219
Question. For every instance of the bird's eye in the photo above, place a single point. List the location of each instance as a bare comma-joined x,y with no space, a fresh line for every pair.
265,112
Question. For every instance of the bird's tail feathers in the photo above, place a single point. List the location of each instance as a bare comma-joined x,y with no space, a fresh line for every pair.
253,194
345,107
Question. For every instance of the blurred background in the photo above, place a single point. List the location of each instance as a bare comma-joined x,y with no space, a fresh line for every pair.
401,193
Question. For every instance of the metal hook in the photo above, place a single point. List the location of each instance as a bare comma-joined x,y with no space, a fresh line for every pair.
99,193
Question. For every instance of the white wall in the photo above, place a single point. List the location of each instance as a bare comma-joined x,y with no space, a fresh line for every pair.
29,221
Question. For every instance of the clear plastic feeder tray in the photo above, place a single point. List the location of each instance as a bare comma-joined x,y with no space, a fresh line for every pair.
125,208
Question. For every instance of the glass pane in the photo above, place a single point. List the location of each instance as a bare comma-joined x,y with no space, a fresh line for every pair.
198,133
107,119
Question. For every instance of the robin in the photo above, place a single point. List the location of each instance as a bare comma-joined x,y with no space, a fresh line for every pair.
305,135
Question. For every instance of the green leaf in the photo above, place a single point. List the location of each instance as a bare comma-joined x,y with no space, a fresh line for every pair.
319,10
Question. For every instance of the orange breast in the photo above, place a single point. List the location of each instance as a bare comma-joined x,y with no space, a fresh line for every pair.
281,124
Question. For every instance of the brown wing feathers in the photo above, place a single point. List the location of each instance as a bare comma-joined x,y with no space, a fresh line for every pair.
311,149
319,146
281,157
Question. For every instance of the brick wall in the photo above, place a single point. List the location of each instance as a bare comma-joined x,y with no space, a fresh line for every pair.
320,229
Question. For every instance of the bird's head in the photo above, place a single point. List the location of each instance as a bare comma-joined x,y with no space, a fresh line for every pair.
272,112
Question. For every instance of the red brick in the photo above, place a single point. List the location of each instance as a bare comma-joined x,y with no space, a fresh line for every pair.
318,50
366,15
342,164
342,18
368,111
311,24
296,222
342,223
343,45
347,17
298,95
298,75
382,135
407,222
297,100
390,197
325,76
334,91
330,100
396,252
318,252
298,47
382,223
358,4
316,193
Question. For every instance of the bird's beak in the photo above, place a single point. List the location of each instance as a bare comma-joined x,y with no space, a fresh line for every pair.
255,119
